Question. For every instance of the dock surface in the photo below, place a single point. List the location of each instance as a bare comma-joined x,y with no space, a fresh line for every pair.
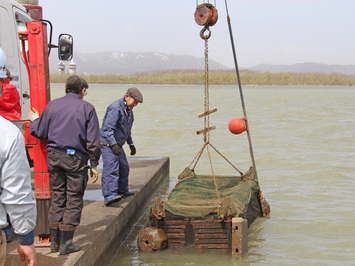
103,229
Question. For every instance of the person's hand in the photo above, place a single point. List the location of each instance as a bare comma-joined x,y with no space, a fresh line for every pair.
133,149
32,115
94,174
29,252
116,149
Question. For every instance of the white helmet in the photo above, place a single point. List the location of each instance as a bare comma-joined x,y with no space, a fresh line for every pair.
2,64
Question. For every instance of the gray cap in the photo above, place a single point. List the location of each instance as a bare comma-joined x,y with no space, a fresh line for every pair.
135,94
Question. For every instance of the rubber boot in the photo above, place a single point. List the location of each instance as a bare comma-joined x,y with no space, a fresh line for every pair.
66,234
54,229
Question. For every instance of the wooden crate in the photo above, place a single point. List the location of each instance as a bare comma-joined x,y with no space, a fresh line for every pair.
203,234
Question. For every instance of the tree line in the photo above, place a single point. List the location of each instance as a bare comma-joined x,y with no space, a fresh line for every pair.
218,77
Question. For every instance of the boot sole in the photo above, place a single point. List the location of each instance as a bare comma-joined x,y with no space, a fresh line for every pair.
67,252
115,199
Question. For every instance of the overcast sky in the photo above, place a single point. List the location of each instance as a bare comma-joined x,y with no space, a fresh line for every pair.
265,31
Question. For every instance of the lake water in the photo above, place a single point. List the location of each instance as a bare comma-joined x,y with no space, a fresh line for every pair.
304,146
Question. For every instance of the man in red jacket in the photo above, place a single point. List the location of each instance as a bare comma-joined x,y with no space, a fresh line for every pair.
10,107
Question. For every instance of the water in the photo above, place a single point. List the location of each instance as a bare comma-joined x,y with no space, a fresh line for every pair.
304,147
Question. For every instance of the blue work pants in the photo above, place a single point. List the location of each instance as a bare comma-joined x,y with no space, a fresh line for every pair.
114,180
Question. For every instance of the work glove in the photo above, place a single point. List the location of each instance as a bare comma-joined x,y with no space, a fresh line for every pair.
94,174
133,149
32,115
116,149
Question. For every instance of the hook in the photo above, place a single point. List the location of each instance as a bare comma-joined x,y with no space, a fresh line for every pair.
202,32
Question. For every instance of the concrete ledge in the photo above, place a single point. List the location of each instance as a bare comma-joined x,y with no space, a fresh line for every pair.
128,210
103,229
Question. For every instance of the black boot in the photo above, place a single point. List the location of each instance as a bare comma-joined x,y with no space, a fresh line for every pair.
54,229
66,233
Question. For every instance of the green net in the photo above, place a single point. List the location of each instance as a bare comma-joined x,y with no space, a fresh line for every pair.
196,195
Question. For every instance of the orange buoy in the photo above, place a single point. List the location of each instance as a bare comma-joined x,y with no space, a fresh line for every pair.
236,125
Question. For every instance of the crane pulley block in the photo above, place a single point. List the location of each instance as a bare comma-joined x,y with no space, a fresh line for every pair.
206,15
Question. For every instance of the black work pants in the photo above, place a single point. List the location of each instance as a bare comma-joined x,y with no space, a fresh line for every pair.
68,177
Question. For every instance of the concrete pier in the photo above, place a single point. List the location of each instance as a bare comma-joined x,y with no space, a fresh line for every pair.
103,229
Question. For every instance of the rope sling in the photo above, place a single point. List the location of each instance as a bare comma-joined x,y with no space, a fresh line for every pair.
206,15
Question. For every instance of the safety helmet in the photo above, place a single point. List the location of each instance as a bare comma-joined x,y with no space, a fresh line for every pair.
2,64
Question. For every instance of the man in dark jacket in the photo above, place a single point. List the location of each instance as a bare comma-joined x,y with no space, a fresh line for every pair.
71,126
115,131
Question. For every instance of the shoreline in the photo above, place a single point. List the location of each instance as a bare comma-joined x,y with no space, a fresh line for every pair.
247,85
219,78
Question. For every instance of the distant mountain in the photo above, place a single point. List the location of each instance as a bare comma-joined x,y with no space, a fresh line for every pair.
128,63
305,68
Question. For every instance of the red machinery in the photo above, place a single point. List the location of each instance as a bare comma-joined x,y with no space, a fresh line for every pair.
36,60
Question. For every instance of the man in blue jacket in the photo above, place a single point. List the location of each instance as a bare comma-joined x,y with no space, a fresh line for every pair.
115,131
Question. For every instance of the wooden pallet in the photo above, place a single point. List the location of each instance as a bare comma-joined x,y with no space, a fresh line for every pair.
201,234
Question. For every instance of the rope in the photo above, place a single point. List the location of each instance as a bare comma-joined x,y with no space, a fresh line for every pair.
198,156
206,137
207,121
215,182
193,168
207,95
226,159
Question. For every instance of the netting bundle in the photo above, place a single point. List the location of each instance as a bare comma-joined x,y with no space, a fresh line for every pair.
196,196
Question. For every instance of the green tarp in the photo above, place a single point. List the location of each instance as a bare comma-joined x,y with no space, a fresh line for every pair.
196,196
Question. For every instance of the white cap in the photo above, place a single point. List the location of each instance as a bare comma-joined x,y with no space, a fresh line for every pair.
2,64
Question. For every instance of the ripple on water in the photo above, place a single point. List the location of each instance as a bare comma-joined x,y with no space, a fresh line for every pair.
304,152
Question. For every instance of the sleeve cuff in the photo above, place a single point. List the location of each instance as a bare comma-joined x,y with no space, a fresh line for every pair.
26,239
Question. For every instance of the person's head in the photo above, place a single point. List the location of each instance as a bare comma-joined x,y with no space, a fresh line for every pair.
76,85
133,97
8,76
84,84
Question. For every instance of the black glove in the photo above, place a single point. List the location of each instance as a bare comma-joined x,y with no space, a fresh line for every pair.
133,149
116,149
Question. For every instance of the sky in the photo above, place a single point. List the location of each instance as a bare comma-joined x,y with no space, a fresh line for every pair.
264,31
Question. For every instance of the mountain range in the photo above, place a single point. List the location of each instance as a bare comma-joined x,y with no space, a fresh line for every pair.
306,68
128,63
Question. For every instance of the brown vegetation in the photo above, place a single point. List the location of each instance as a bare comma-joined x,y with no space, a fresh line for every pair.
218,77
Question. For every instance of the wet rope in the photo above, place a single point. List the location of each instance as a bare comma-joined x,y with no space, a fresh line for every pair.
226,159
207,122
184,174
207,94
206,137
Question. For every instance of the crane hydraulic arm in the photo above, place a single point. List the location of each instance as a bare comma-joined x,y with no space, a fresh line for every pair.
36,60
